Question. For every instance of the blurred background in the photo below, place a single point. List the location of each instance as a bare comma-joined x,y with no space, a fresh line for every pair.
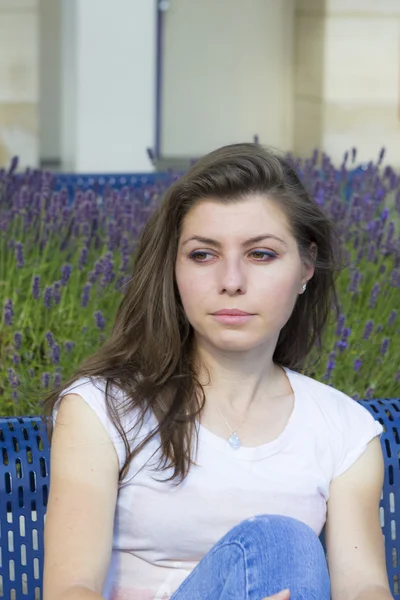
101,85
107,102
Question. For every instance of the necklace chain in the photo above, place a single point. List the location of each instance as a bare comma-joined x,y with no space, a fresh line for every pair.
233,431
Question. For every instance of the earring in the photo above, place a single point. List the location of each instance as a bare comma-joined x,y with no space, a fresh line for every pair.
304,287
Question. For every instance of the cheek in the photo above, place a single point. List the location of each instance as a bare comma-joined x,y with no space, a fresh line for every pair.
280,283
189,286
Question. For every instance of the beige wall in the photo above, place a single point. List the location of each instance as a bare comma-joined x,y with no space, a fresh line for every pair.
339,86
346,73
227,74
19,81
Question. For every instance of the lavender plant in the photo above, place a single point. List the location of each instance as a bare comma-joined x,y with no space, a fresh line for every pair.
64,266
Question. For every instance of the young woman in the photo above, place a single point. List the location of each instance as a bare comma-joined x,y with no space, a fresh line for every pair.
190,458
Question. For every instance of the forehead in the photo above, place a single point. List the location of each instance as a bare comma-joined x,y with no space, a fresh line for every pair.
247,216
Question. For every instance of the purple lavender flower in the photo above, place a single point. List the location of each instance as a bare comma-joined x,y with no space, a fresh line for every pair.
346,332
36,287
355,281
392,318
57,292
10,375
340,323
86,295
390,232
8,312
371,252
16,359
50,339
55,354
46,380
66,272
385,214
31,372
379,329
19,255
108,270
69,346
369,327
357,364
384,346
17,340
395,278
48,297
369,393
374,295
57,379
98,268
83,258
99,319
13,378
330,366
342,345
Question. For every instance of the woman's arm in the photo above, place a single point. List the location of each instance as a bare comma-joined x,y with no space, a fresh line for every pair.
80,515
354,539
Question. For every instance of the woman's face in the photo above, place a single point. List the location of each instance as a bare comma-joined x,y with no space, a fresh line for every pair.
242,256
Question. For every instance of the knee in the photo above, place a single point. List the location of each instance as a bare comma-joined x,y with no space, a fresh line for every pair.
278,530
287,551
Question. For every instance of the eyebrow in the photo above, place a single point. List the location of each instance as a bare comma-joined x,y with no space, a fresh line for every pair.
216,244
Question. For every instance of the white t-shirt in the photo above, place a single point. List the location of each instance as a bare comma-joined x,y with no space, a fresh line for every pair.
162,530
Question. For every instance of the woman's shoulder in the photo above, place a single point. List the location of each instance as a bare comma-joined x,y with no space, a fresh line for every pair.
92,386
319,391
93,390
337,407
344,424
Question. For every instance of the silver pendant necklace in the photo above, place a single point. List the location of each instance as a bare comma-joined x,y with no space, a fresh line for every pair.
234,439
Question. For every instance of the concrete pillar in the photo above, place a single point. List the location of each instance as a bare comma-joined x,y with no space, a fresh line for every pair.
108,85
19,82
347,77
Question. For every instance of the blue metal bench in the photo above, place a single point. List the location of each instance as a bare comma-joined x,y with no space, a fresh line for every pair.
24,487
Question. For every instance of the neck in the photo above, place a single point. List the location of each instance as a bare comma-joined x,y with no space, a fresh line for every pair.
236,379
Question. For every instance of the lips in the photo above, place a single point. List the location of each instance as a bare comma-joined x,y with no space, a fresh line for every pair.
232,312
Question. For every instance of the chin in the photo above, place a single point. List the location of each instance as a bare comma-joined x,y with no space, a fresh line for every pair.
235,344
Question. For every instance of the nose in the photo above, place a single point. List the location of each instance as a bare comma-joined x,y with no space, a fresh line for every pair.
232,277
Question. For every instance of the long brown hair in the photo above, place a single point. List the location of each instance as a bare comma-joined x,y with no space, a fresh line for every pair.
149,354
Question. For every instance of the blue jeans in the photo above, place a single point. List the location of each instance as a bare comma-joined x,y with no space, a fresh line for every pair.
260,557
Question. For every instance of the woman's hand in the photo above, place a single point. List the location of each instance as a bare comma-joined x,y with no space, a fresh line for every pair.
282,595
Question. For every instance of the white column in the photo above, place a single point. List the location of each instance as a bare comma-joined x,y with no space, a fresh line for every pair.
108,85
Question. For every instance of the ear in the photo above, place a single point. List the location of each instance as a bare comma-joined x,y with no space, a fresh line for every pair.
309,266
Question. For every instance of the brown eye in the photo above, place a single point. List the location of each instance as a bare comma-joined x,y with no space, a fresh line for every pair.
263,255
199,256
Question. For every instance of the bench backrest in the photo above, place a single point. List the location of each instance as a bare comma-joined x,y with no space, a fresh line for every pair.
24,487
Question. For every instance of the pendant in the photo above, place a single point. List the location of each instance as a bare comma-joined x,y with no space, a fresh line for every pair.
234,441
